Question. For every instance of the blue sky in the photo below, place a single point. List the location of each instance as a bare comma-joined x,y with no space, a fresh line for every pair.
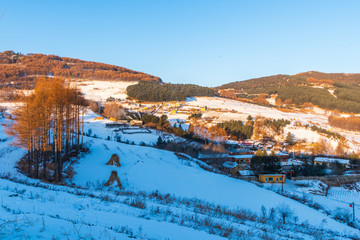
203,42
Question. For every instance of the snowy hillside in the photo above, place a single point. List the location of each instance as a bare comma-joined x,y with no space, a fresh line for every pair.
230,109
148,169
202,205
240,110
164,197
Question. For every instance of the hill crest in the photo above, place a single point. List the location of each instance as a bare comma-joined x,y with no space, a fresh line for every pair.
23,69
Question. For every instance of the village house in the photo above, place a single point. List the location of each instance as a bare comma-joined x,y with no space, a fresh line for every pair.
230,167
243,158
236,169
272,178
282,156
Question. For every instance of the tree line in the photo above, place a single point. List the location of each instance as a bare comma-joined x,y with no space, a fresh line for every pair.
271,84
238,129
319,97
350,94
156,92
48,124
297,89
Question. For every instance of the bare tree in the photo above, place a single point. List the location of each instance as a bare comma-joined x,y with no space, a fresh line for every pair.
284,211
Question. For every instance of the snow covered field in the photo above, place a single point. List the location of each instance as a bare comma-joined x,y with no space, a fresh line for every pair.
164,197
148,169
101,90
48,211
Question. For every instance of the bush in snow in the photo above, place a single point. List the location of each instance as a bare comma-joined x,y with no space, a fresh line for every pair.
136,202
343,215
89,132
284,211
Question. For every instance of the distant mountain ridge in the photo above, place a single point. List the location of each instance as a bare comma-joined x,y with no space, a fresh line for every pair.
330,91
269,84
22,69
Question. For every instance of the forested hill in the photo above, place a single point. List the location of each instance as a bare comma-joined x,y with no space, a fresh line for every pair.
327,90
157,92
271,84
21,69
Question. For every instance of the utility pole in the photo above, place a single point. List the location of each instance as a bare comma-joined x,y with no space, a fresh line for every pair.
353,207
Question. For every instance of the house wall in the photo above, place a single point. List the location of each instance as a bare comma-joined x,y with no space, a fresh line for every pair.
272,178
242,160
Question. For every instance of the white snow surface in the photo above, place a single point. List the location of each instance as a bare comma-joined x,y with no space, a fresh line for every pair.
148,169
100,90
54,211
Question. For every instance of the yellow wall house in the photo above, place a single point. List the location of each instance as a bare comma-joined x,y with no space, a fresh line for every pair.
271,178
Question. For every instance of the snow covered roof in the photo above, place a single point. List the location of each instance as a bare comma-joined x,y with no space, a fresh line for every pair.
331,160
277,153
275,174
232,142
292,161
230,164
246,172
214,155
241,150
243,156
282,154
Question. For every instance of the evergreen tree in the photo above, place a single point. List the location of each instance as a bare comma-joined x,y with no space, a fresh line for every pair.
265,164
290,139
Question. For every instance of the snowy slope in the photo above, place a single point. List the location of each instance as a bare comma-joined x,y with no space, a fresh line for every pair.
101,90
9,153
148,169
36,213
31,209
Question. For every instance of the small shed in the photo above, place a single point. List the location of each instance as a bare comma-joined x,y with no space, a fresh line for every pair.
136,122
272,178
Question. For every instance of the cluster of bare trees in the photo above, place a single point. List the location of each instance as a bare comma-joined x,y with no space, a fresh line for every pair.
113,110
316,81
351,123
23,68
213,133
48,124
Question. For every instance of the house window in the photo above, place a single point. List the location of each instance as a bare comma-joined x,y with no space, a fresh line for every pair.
280,178
270,179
